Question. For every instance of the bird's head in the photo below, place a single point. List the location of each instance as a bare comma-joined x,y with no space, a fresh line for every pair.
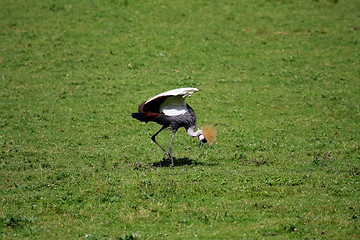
208,134
202,139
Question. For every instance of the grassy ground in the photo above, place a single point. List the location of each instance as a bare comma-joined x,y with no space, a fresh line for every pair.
278,79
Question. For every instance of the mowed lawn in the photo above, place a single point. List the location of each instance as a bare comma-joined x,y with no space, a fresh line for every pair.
279,79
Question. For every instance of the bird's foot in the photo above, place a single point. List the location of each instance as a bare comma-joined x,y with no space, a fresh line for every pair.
170,157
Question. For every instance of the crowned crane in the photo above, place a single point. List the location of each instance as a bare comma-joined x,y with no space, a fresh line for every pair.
170,110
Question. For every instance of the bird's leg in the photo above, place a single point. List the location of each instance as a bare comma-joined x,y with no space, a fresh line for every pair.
154,140
170,147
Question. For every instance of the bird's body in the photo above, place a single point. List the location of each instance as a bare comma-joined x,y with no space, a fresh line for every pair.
170,110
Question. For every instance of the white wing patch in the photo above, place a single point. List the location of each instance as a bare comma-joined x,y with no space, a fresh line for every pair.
185,92
173,106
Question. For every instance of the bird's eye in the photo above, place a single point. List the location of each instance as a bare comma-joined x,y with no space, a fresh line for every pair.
201,137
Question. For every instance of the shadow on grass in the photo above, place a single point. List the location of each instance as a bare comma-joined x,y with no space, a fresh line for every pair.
177,162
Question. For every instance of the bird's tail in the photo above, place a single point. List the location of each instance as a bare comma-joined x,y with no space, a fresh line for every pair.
140,116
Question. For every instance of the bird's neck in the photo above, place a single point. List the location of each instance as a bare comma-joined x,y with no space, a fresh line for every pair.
192,133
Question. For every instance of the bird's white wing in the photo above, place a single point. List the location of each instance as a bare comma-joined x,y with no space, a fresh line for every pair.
174,104
185,92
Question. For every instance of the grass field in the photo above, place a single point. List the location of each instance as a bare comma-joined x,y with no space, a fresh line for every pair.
279,79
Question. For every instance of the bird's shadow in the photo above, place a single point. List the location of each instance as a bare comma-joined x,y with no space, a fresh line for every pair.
165,162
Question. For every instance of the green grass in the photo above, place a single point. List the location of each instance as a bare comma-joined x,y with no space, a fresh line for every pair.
280,80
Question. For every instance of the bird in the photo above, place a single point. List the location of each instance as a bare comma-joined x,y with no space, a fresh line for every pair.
170,110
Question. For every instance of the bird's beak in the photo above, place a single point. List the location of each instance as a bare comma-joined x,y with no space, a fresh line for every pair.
201,144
